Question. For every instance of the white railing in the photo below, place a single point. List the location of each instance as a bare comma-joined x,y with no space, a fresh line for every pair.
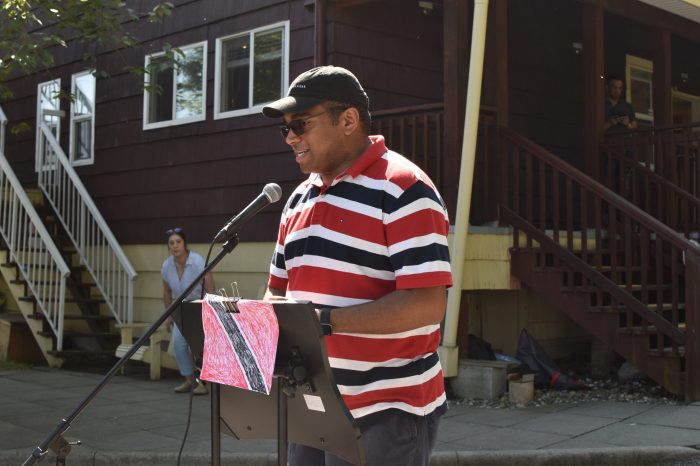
99,251
31,247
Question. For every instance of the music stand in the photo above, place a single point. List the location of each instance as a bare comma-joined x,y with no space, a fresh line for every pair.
304,405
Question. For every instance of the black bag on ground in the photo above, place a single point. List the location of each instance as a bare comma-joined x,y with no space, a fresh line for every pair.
547,373
479,348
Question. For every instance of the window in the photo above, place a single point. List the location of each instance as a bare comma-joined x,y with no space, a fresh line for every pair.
48,111
176,91
639,89
251,70
82,119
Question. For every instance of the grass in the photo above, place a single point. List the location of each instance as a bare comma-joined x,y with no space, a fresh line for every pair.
9,365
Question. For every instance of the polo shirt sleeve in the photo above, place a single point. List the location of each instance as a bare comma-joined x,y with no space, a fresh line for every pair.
416,226
278,269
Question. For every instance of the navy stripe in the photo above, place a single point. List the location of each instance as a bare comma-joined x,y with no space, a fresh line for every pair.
416,256
362,194
358,378
317,246
418,190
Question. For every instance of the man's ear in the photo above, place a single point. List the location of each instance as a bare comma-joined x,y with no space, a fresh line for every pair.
350,120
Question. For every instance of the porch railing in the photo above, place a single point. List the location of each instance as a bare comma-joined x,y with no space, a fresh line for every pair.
657,169
99,251
30,246
628,259
416,133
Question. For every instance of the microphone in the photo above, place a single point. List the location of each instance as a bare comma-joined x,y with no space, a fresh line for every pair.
270,193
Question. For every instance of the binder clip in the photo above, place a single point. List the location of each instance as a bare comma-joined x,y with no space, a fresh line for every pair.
230,302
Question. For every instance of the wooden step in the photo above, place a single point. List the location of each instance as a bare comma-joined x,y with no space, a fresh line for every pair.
74,352
70,334
32,299
95,318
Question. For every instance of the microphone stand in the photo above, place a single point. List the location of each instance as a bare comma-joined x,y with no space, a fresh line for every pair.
54,440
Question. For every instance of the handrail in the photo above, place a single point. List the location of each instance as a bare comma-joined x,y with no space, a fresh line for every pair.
603,192
40,263
98,248
670,197
3,124
652,129
590,273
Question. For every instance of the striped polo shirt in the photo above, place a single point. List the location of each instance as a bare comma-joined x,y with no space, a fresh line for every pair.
381,226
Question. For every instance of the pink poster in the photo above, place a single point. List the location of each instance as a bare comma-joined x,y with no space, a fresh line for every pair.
239,347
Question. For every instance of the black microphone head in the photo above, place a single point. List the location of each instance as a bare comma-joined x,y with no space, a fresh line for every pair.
273,192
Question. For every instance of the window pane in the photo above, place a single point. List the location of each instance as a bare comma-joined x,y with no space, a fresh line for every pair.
640,91
161,92
190,72
82,133
49,100
235,59
267,68
84,94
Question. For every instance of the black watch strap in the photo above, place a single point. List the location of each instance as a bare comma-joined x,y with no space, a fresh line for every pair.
325,320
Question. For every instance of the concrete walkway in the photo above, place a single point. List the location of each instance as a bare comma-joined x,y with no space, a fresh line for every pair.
135,421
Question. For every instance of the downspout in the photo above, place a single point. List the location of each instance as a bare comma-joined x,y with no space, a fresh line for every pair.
449,351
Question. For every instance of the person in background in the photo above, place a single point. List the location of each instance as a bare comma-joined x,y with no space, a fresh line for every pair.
619,114
178,271
364,238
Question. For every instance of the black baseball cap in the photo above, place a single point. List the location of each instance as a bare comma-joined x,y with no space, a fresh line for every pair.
316,86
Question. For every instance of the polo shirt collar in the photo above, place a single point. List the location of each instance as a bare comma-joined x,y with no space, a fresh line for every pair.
373,153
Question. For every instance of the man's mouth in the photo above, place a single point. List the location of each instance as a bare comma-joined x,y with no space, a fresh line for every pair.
301,153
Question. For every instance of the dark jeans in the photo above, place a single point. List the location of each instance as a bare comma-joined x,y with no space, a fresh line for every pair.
391,438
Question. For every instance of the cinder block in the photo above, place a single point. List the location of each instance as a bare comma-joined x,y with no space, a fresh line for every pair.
485,380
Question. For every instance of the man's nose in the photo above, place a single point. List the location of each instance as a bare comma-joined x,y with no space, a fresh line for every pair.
291,138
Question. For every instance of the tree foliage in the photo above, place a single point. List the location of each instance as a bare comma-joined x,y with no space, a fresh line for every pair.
30,31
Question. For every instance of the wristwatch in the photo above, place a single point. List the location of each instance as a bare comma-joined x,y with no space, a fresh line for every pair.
325,320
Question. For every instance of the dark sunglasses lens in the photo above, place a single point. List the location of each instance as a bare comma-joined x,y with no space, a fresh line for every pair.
295,125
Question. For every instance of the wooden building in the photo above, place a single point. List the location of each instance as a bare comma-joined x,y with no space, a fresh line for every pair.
199,151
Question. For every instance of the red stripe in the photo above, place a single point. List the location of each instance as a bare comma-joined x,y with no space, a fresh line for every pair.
414,395
381,349
424,280
338,283
419,223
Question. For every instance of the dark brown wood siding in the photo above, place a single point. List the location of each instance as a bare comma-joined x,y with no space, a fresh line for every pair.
393,47
545,75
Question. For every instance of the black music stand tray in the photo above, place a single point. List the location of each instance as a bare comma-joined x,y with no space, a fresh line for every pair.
308,409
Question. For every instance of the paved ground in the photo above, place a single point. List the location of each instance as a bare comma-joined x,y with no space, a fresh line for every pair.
138,421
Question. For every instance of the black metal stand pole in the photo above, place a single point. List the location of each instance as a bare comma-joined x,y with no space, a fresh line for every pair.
281,423
215,424
65,423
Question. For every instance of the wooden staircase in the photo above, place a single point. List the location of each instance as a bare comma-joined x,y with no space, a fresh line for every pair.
90,335
624,276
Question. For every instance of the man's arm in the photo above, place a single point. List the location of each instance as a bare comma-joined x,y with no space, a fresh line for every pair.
399,311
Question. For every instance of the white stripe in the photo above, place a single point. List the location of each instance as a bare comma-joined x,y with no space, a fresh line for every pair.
417,410
425,267
417,332
340,266
352,206
417,242
380,185
279,273
423,203
326,299
351,364
411,381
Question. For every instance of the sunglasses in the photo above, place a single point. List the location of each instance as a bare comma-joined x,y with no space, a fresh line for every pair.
298,126
176,230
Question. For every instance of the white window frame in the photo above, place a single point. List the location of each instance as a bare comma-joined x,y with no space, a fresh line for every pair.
79,118
39,119
645,65
147,94
251,109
